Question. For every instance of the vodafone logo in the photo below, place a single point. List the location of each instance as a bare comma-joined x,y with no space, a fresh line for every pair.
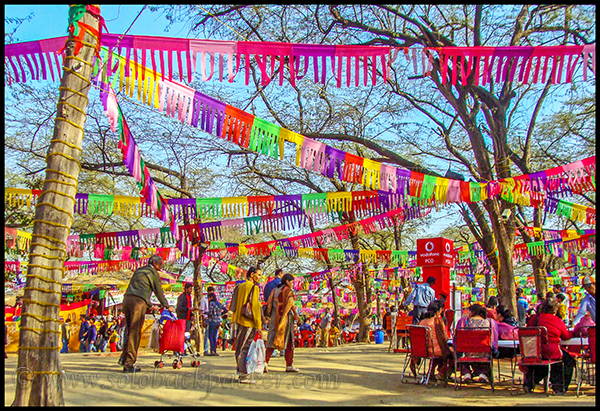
447,247
429,246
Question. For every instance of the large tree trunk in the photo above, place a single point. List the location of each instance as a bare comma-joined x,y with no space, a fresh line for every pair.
505,244
360,286
39,368
539,262
198,335
336,309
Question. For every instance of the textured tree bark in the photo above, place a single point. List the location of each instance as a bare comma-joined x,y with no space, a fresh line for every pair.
39,372
197,335
363,306
336,310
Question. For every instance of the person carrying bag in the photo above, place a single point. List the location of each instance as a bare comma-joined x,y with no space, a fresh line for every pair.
247,307
246,315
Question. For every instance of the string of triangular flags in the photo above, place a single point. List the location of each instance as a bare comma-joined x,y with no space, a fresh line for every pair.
246,130
349,60
191,107
101,243
356,203
133,160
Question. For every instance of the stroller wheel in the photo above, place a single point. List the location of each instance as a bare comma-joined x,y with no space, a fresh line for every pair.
194,363
156,364
175,364
161,364
179,364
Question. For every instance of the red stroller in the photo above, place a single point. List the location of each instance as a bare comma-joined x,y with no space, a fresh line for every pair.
174,338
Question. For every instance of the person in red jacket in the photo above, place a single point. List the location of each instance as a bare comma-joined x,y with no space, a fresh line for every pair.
557,330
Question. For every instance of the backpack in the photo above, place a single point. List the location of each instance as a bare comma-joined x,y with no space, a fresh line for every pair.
214,310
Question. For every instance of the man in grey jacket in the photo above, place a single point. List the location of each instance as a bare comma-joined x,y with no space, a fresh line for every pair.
143,283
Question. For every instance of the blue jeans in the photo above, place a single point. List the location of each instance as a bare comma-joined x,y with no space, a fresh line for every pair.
65,347
212,332
206,340
82,346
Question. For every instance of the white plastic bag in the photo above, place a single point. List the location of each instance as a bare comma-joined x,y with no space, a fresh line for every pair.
261,355
255,363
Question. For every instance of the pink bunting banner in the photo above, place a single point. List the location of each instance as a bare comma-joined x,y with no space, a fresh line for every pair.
536,64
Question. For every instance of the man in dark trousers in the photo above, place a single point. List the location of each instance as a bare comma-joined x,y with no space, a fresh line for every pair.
143,283
420,298
184,306
83,330
66,335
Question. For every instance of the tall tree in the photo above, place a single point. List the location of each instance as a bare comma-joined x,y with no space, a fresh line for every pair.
479,129
39,367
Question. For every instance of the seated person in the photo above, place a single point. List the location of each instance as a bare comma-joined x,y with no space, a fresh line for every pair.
334,334
477,318
387,320
507,330
491,308
563,311
557,331
306,326
403,311
505,316
433,319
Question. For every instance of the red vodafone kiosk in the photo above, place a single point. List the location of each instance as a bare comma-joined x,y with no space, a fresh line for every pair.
435,256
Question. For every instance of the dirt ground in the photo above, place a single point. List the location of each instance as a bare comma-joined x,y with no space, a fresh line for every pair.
348,375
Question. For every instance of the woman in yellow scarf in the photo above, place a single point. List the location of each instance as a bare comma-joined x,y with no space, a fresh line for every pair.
246,328
282,312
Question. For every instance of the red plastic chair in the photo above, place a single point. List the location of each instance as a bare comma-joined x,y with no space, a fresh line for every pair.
449,315
307,337
472,345
531,342
588,359
420,353
402,322
349,337
296,339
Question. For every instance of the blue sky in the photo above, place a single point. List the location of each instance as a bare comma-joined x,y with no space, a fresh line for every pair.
51,20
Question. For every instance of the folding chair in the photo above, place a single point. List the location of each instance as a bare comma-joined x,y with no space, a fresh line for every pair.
588,360
401,332
421,351
531,341
472,346
449,315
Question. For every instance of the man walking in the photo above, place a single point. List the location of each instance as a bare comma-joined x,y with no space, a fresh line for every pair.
184,306
204,318
271,285
522,307
325,325
66,335
420,298
83,331
588,302
91,335
143,283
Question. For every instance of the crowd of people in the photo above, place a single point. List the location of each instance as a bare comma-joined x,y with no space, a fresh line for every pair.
98,333
246,316
549,311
